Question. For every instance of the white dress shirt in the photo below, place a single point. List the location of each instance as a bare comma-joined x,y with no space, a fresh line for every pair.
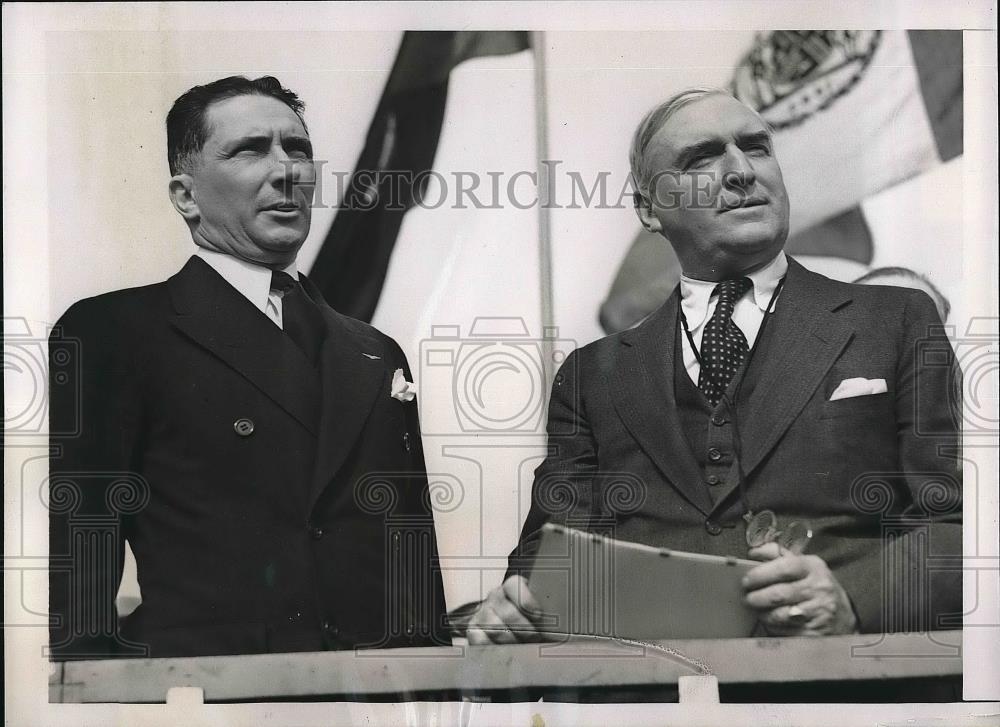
698,304
252,281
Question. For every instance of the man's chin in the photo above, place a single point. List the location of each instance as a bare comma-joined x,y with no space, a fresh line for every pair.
283,242
754,247
752,252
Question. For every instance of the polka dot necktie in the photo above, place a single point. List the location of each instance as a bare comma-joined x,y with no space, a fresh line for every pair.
723,345
300,317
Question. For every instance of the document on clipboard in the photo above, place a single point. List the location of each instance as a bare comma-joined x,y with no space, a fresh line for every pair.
590,584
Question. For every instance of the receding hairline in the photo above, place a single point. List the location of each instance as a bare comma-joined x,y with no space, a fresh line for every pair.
209,126
657,118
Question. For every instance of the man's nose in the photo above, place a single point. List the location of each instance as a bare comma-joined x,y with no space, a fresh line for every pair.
291,170
737,172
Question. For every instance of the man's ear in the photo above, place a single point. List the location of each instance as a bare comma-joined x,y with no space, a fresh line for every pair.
644,208
181,190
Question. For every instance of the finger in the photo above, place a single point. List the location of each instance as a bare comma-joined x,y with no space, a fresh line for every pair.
822,612
517,592
512,618
770,597
793,617
780,570
492,626
768,551
477,636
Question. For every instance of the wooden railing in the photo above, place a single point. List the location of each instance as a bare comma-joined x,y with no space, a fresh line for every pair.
500,671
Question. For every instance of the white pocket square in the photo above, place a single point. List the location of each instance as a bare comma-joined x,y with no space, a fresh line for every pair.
850,388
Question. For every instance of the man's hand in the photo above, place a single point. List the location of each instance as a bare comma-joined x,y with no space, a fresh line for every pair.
507,616
797,595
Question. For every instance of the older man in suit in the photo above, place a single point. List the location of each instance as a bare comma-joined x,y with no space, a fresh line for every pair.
758,386
259,451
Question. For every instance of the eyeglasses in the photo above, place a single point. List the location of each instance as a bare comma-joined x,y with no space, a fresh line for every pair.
762,528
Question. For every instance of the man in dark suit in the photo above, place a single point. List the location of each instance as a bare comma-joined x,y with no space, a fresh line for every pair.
758,386
259,452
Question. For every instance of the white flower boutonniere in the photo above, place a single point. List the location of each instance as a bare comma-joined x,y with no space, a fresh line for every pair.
402,390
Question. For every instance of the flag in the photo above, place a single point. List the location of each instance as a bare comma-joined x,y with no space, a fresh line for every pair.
390,176
854,113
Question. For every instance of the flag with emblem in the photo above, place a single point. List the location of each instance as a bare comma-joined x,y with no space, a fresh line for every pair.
854,112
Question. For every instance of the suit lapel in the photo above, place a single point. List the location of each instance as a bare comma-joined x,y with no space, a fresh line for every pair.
217,317
643,394
351,382
808,337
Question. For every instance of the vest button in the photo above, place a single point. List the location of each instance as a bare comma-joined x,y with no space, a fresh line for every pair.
243,427
718,420
713,479
714,454
316,533
712,527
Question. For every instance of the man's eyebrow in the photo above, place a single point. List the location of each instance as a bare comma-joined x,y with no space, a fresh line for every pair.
714,146
295,139
299,139
698,148
248,139
753,137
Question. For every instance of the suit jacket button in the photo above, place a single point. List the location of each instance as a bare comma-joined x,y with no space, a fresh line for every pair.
243,427
713,479
316,533
712,527
714,454
718,420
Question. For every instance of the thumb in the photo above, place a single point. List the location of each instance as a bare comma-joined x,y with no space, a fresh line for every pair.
517,592
768,551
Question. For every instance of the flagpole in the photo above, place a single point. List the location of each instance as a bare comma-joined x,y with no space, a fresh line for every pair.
544,218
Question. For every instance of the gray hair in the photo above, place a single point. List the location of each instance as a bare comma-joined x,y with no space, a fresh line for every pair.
654,121
872,277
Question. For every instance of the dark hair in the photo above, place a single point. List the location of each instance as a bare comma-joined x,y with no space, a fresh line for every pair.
186,132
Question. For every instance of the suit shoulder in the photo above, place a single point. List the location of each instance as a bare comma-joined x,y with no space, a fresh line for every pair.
890,294
115,307
885,300
596,358
860,291
602,347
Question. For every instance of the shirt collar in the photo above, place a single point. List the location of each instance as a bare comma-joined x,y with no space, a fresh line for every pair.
251,280
697,294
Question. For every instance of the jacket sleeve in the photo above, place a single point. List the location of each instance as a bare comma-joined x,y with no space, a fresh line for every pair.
93,483
914,581
563,488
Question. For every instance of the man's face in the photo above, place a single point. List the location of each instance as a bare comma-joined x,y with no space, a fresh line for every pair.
254,180
717,192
